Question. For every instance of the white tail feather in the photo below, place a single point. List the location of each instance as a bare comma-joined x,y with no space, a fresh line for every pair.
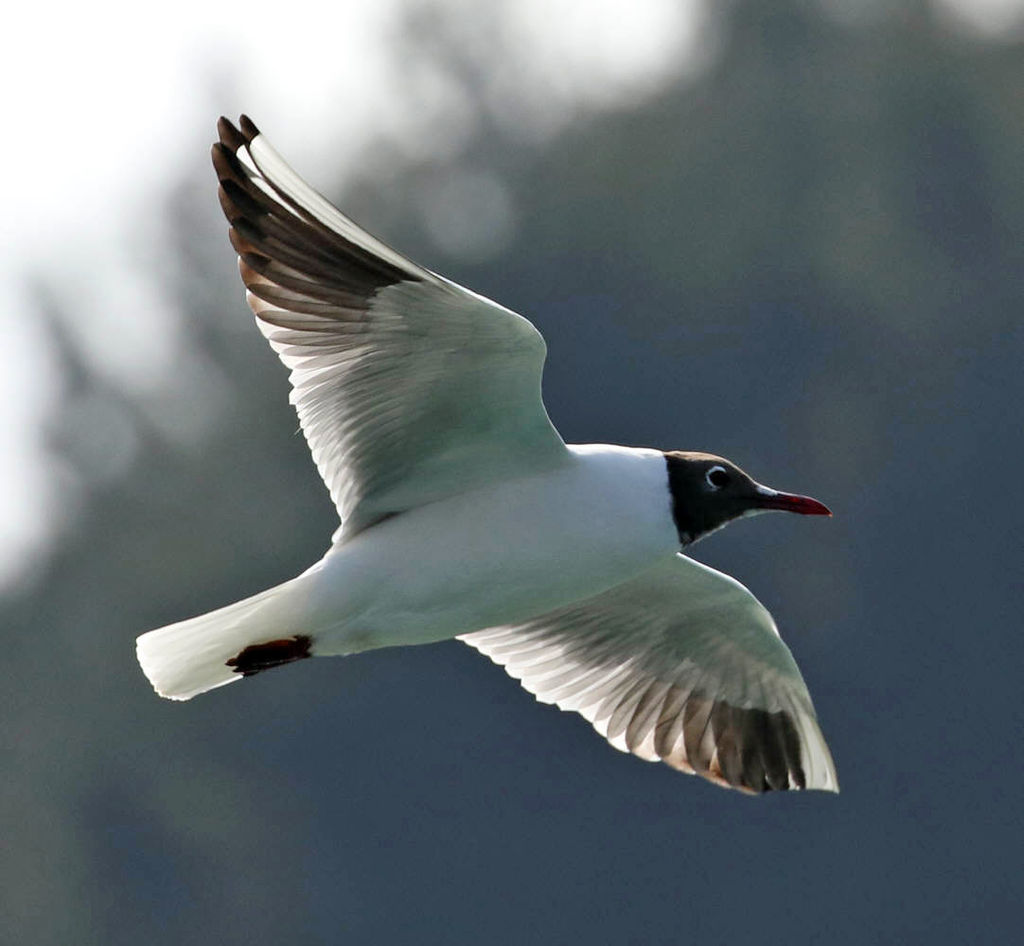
184,659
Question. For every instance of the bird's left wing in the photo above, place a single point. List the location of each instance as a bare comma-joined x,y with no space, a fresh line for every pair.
408,387
682,665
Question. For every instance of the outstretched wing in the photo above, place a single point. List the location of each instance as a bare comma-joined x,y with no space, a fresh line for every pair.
681,664
408,387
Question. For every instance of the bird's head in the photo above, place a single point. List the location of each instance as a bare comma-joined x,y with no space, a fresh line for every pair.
708,492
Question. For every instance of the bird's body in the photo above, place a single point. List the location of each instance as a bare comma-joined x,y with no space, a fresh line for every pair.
465,515
498,554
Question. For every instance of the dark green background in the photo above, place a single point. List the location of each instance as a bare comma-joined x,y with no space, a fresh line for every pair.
811,260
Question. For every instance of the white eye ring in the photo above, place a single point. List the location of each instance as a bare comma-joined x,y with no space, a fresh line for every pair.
710,473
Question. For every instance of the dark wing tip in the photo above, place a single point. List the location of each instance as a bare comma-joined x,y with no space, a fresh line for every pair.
230,137
225,163
750,749
234,138
284,240
249,129
762,750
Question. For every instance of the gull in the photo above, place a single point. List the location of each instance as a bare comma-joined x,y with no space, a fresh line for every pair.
465,515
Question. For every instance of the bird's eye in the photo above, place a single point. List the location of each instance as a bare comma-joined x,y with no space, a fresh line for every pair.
717,477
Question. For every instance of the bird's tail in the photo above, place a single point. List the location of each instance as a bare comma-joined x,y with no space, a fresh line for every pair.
193,656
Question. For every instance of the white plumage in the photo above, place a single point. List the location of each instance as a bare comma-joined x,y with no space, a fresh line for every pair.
464,513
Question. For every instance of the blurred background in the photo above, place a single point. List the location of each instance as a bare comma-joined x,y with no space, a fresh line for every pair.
790,233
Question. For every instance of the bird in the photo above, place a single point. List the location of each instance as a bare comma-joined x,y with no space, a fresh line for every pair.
465,515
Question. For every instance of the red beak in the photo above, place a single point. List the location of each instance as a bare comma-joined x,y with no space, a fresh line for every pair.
790,502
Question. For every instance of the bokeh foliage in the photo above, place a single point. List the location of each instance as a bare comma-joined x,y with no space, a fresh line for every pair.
809,259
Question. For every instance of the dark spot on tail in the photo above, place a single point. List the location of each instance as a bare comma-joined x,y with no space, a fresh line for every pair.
259,657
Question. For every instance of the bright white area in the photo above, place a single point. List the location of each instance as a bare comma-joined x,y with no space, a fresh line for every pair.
106,104
991,19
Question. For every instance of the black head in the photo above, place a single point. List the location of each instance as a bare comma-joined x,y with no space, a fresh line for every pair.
708,492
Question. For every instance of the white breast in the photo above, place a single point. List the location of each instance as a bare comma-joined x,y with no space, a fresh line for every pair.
496,555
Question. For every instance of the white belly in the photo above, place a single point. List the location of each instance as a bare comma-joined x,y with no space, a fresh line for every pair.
496,555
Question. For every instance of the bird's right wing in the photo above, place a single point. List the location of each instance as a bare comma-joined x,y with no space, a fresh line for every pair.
408,387
681,664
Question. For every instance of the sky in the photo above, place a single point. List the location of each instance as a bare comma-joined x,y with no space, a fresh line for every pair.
111,108
111,102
